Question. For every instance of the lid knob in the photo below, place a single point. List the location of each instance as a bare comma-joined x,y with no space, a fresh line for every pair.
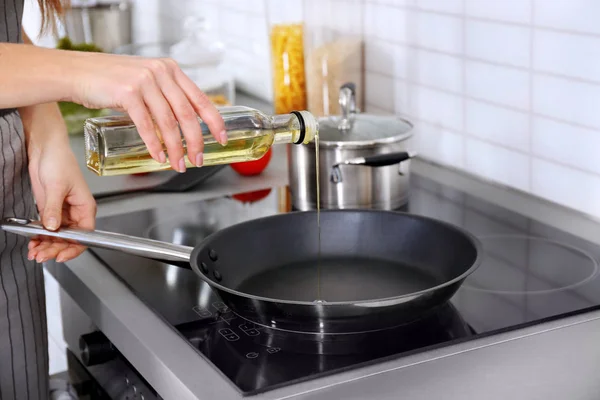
347,101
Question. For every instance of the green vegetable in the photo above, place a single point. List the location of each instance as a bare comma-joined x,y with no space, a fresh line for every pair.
67,108
66,44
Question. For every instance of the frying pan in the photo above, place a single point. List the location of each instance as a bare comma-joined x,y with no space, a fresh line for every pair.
376,270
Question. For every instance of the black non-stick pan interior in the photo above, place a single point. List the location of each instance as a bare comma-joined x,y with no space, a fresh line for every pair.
364,255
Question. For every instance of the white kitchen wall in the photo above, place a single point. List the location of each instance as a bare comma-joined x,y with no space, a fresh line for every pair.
507,89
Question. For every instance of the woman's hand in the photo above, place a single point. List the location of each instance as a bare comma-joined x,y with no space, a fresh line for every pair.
60,191
150,91
63,199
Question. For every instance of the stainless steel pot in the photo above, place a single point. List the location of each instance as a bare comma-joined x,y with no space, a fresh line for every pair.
107,25
363,161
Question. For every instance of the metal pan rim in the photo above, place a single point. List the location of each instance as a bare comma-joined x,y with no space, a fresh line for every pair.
358,303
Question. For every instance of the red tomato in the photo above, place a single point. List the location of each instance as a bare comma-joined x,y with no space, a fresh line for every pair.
250,168
251,197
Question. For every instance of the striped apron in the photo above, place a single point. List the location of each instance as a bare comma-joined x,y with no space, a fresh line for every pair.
23,331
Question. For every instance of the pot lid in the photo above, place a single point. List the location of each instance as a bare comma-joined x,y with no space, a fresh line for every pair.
357,128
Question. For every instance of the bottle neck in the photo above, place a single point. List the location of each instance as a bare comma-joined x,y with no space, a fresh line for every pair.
300,127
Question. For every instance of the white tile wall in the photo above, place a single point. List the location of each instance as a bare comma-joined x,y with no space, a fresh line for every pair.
498,84
440,143
568,100
571,15
567,54
386,22
563,143
447,6
480,34
387,58
436,32
566,185
437,70
437,107
507,89
509,128
498,164
518,11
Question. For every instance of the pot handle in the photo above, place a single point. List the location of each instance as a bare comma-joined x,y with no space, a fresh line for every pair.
380,160
147,248
347,102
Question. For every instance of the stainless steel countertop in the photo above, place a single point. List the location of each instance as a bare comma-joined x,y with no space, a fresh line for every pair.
555,360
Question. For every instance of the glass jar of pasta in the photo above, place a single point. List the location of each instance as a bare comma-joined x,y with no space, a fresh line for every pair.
286,32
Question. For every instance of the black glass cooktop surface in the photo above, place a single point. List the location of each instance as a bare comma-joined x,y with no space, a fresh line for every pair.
530,273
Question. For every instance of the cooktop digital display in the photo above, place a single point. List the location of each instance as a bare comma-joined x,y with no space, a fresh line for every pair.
530,273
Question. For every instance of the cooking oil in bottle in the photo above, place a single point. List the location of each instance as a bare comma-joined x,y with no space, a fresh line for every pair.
113,145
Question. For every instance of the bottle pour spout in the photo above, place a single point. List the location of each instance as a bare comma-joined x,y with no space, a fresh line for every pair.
308,127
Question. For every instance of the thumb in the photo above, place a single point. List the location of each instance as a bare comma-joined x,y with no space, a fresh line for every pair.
52,217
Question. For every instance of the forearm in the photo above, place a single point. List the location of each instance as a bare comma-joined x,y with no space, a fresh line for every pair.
33,75
43,126
41,122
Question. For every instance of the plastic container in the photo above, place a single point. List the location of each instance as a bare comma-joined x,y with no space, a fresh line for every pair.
286,33
333,53
199,55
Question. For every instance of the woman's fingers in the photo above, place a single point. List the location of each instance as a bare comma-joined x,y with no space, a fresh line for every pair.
165,96
32,251
167,124
202,105
185,114
42,253
33,243
60,250
138,112
69,253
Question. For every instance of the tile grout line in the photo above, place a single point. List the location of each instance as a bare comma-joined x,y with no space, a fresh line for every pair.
488,62
464,83
488,141
531,92
502,146
488,102
490,20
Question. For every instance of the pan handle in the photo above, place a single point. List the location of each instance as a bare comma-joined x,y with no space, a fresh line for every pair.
380,160
148,248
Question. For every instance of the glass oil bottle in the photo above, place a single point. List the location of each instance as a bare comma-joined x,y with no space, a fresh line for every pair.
113,145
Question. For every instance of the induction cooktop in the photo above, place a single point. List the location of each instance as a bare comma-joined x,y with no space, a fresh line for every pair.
530,273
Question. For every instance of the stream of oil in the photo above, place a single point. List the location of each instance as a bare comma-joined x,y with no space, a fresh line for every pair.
319,298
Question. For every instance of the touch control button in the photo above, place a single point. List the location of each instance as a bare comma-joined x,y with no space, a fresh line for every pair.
202,312
228,334
220,306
